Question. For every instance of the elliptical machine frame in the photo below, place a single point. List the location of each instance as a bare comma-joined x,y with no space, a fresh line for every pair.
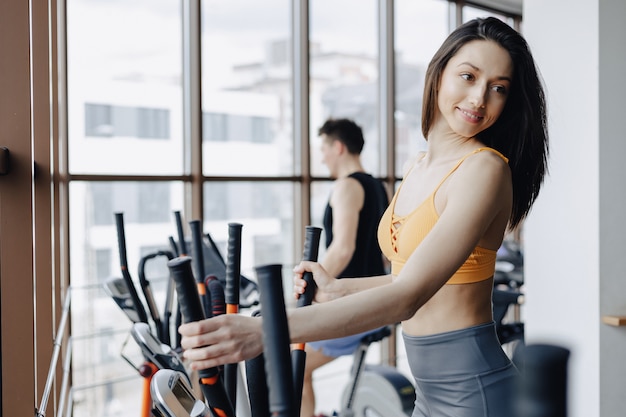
376,390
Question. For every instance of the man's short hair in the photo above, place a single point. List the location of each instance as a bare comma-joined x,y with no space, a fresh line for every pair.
346,131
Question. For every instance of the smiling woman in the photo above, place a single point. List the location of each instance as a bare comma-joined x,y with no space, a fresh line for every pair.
139,142
441,232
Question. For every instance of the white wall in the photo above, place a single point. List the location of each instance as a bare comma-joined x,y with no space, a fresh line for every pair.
575,236
561,235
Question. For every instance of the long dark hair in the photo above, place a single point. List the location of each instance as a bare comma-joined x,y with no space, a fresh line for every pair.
520,133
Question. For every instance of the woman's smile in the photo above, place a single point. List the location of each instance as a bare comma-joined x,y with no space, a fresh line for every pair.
471,116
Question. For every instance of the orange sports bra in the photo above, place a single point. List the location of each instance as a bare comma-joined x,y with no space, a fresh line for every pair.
398,236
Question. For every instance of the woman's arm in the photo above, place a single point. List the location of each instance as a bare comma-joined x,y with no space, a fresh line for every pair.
232,338
473,202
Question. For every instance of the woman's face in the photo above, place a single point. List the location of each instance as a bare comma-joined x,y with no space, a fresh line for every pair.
474,87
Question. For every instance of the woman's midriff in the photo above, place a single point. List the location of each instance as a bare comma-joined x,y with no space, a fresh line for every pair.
453,307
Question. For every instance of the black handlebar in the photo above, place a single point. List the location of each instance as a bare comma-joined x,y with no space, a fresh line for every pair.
191,307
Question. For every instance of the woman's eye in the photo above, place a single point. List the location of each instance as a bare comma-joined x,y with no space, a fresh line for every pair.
499,89
467,76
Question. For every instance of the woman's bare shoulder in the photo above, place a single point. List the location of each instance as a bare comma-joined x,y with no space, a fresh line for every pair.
484,170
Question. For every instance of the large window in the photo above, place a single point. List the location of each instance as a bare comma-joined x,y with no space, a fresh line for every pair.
344,73
421,26
129,151
343,67
246,88
99,328
266,212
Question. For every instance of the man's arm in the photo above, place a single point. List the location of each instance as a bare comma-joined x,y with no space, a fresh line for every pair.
346,201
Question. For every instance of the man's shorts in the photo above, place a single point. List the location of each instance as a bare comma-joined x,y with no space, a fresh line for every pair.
341,346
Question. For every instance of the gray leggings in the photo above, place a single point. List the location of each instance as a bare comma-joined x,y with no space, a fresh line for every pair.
462,373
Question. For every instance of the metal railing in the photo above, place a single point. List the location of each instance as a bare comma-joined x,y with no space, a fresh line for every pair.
41,410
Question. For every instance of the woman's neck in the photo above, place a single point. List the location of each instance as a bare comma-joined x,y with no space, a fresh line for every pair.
449,146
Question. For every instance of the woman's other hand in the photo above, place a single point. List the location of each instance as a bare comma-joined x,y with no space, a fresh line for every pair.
326,285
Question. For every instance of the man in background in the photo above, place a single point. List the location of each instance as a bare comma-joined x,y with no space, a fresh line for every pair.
356,204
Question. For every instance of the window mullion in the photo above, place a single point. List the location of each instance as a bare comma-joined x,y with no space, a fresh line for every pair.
300,57
192,106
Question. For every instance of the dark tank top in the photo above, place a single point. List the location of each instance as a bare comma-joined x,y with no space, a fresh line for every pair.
367,258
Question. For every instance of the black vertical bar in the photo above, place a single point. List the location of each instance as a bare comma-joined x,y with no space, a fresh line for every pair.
231,297
121,241
182,245
257,384
298,353
198,263
191,307
276,341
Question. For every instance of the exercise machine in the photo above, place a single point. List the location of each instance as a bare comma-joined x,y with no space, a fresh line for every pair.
376,390
508,297
151,330
173,396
